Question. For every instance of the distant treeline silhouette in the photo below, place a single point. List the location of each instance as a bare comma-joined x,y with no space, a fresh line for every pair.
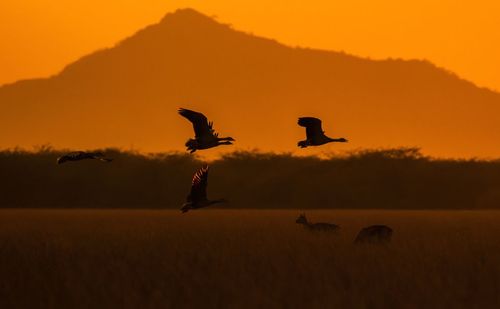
386,179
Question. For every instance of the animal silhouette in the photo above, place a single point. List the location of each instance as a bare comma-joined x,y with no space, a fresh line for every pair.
82,155
376,234
315,136
197,198
205,136
320,226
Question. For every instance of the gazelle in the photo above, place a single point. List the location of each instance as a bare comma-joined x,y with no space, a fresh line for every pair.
375,234
320,226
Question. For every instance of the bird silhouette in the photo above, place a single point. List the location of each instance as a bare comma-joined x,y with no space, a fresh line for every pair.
82,155
205,135
197,198
315,136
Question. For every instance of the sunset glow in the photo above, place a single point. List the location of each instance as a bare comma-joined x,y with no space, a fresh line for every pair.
40,37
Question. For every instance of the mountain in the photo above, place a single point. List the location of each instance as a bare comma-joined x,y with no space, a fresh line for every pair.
253,89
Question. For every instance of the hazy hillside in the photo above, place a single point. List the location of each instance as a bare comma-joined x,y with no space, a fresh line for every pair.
391,179
253,88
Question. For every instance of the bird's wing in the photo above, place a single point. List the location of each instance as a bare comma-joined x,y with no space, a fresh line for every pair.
312,125
76,155
200,123
199,185
99,156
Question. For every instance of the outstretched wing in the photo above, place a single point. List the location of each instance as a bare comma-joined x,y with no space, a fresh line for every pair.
199,185
72,156
200,123
312,125
99,156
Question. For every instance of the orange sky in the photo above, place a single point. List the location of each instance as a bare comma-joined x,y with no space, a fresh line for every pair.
40,36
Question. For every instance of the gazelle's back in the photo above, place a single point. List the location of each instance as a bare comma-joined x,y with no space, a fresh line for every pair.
321,226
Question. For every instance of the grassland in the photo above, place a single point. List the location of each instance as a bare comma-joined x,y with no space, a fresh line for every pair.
246,259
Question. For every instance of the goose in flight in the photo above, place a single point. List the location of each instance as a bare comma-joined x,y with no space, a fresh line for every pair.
82,155
205,136
197,198
315,136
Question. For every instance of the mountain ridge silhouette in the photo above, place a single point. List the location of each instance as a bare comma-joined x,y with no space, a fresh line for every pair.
252,88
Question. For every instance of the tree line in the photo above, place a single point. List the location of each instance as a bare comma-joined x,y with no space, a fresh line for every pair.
380,179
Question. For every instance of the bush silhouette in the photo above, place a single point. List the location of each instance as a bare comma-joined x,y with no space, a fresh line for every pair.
383,179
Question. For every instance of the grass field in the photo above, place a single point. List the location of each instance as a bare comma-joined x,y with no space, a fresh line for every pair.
246,259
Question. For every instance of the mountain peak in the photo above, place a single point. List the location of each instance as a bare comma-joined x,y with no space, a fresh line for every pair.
192,59
186,15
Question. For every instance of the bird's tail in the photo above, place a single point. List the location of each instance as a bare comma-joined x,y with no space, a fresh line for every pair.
191,145
185,208
302,144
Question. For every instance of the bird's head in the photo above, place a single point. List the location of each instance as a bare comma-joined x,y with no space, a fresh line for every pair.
342,140
226,141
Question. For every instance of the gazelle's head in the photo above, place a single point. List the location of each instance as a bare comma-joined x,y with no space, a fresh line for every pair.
301,219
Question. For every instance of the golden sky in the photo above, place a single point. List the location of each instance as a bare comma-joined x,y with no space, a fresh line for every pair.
38,37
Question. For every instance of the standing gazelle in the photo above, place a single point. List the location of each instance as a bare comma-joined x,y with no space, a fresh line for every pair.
320,226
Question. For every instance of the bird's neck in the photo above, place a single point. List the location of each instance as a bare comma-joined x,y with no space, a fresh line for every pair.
336,139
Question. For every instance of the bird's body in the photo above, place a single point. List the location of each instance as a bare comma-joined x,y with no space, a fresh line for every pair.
319,226
82,155
378,234
205,135
315,136
197,198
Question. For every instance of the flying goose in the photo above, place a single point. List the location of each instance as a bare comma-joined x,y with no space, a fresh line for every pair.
205,136
315,136
197,198
82,155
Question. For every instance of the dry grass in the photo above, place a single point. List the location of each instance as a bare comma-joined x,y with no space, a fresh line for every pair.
246,259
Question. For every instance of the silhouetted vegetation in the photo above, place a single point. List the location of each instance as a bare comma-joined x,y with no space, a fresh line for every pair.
387,179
